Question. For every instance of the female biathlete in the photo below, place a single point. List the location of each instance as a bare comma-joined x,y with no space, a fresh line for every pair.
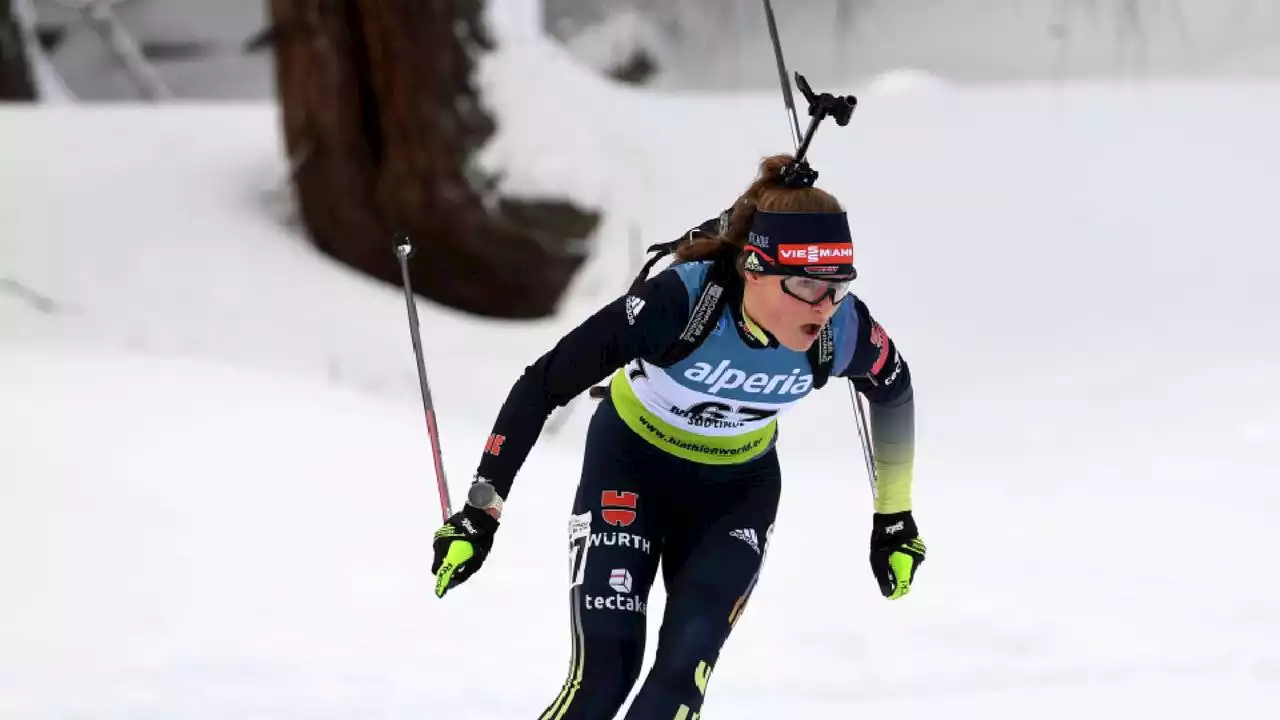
680,467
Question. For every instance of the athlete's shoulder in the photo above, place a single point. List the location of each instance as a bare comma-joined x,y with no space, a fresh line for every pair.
675,286
848,315
867,352
665,298
862,345
692,274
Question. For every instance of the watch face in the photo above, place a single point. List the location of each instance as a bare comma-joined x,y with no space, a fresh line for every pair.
481,495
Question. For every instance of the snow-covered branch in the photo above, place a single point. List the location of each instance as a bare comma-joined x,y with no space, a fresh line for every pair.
104,21
49,85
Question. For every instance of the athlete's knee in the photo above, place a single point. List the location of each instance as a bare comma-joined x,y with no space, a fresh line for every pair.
676,684
599,680
687,654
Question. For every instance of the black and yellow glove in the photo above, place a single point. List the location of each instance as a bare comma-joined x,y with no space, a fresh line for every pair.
461,547
896,552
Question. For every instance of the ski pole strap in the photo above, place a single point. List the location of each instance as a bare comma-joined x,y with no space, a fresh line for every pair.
709,228
660,251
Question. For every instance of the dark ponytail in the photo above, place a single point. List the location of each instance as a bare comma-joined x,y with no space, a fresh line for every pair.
766,193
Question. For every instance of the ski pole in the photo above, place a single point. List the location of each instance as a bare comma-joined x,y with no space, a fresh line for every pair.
404,250
787,98
818,107
864,435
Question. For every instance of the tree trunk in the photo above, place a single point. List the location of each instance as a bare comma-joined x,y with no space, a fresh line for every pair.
16,82
381,120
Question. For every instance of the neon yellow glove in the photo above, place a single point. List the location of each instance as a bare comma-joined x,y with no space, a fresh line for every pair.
896,552
461,547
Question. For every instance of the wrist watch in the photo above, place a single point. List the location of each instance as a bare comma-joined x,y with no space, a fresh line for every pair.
482,495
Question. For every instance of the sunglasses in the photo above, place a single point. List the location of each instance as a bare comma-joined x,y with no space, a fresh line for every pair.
812,290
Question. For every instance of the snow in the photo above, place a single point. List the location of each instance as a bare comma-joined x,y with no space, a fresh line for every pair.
615,39
217,492
906,80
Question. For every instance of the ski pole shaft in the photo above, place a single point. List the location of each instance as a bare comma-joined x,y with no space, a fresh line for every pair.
787,98
404,249
864,435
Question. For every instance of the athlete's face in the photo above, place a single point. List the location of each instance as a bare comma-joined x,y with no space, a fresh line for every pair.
794,322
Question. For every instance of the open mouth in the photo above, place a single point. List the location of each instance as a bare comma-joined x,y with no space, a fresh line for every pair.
811,329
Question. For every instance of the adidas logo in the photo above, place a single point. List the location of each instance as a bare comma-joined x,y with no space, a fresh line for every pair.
749,537
634,306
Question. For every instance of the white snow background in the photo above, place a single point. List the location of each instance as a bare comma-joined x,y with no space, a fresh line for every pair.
216,490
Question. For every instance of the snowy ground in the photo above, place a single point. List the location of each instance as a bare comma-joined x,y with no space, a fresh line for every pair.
215,490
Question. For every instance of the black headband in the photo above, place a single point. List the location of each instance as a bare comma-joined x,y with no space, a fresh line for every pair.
800,243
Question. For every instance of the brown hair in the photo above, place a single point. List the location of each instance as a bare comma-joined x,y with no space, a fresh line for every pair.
766,193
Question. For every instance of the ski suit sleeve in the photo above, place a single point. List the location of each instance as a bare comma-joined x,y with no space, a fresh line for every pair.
879,372
634,325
